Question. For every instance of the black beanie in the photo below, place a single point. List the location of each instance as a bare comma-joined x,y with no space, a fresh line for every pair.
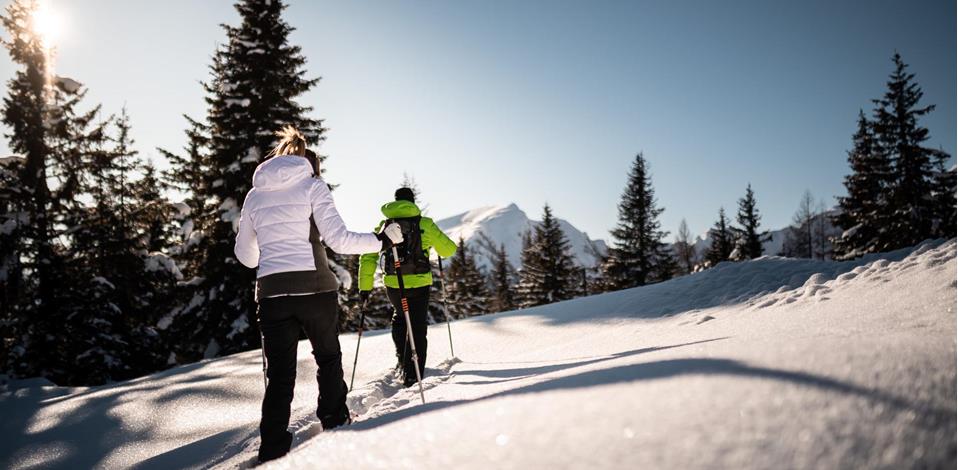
405,194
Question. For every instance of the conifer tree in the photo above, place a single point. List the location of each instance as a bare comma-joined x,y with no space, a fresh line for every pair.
466,290
501,278
638,255
257,77
902,138
864,214
548,271
56,140
944,197
749,239
723,241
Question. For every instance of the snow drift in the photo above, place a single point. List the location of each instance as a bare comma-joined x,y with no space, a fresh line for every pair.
772,363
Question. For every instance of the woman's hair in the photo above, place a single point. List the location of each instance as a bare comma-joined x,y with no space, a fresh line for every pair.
291,142
313,161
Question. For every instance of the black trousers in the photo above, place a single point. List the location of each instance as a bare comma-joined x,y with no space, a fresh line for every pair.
280,320
418,299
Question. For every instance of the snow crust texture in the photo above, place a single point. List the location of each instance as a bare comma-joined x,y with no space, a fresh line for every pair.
772,363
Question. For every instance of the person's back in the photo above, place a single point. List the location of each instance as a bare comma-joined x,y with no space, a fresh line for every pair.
287,210
284,221
417,277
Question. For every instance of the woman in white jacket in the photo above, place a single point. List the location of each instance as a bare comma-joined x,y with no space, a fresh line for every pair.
286,219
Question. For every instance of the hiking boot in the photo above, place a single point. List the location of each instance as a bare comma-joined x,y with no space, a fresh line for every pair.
275,449
336,420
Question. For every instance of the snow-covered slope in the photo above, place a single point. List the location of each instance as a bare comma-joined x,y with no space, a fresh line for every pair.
772,363
505,225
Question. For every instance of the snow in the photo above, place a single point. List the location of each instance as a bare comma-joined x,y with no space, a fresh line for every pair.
237,102
771,363
9,159
182,209
505,225
104,281
157,261
8,227
68,85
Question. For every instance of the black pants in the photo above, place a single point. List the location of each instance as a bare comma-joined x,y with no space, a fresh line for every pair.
418,299
280,320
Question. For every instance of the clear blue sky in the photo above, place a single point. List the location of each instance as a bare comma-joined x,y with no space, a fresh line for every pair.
490,102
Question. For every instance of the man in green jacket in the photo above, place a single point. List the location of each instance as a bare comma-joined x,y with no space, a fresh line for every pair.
416,272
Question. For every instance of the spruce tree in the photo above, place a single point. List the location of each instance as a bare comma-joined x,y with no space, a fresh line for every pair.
466,290
901,137
638,255
501,278
944,197
29,280
257,77
864,214
57,141
119,245
749,239
548,271
723,241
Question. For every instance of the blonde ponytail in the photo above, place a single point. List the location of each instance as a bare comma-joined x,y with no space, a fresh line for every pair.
291,142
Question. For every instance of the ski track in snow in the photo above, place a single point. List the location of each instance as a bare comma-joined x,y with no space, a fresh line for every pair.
374,399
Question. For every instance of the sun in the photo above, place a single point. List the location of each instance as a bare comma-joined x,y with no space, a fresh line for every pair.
47,24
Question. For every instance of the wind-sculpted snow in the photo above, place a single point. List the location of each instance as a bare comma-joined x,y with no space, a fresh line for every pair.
773,363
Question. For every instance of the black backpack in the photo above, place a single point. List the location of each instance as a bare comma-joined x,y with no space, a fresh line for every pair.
413,259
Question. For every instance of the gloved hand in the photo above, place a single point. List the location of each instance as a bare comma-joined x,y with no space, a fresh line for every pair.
391,234
364,296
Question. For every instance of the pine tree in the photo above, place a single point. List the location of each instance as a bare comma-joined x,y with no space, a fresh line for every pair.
30,269
120,245
501,280
864,214
638,255
944,197
723,241
548,271
256,78
901,137
56,140
465,285
748,238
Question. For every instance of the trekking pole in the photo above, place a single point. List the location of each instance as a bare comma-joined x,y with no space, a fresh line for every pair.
445,309
405,312
262,342
362,322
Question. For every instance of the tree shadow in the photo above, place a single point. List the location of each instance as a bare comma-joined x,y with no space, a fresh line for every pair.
927,414
523,372
82,429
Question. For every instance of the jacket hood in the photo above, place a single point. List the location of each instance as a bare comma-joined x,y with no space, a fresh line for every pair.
400,209
281,172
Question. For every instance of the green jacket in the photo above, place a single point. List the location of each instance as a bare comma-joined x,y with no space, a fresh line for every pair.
431,236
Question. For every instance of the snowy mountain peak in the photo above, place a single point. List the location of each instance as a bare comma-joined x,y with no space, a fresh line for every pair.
491,226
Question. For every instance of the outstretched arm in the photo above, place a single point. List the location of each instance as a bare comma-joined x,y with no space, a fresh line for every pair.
332,228
444,246
246,248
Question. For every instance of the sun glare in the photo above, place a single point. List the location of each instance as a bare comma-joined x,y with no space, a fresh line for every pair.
47,24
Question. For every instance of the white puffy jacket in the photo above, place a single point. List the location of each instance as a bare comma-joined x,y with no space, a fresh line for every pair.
274,223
